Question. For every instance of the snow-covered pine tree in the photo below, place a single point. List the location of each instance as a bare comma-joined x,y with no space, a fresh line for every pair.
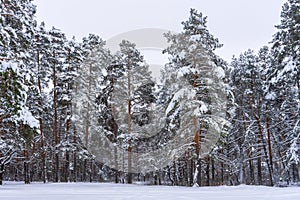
57,60
129,102
248,80
198,90
87,83
107,120
41,52
69,146
16,31
285,86
87,111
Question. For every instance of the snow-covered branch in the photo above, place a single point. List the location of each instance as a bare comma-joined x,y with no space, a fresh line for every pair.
6,14
4,58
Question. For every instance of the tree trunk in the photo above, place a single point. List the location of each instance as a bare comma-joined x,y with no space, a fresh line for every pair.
241,174
26,165
115,131
269,149
196,174
67,166
55,122
43,152
261,139
74,155
91,170
295,174
222,169
129,126
251,170
199,178
196,134
191,172
207,172
57,170
84,171
116,165
1,173
212,171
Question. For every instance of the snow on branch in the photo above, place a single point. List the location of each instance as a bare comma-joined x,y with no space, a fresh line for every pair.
7,14
4,58
9,155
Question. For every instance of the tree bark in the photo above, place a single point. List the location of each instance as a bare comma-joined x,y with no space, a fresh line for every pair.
212,171
115,132
55,121
269,149
1,173
43,152
129,125
196,134
75,159
207,172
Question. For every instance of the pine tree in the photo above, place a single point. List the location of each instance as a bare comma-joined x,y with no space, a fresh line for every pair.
195,98
284,83
57,59
87,111
17,29
251,116
41,52
128,98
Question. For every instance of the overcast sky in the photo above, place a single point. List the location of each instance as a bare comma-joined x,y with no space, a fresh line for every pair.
239,24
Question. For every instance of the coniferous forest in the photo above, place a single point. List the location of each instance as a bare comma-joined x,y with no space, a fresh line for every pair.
62,101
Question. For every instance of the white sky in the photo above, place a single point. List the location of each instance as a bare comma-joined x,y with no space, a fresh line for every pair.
239,24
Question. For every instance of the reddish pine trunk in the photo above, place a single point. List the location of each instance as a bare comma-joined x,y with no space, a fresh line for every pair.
129,128
43,152
55,122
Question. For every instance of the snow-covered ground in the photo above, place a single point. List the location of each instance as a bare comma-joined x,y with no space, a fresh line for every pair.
103,191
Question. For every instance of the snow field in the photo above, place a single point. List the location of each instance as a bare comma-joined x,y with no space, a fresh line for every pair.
108,191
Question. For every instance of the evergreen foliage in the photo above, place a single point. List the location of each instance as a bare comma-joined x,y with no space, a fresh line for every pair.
73,111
